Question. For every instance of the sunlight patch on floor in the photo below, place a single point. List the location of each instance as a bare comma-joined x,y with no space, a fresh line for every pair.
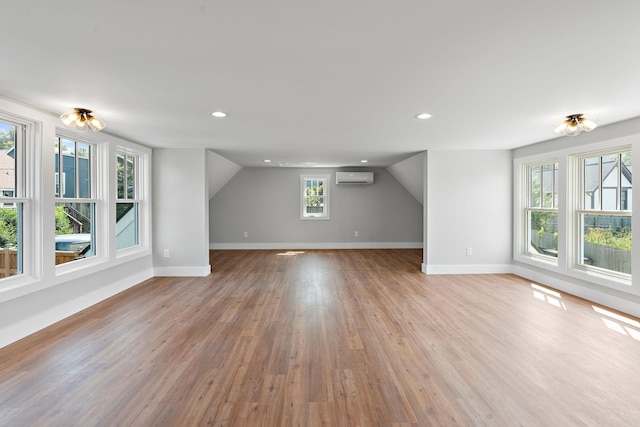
550,296
619,323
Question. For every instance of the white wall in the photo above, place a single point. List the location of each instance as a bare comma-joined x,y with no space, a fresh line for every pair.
469,205
619,296
47,293
265,202
180,212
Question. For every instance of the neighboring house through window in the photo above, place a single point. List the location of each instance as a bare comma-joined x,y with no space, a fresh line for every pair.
574,214
604,216
314,197
127,200
12,201
75,210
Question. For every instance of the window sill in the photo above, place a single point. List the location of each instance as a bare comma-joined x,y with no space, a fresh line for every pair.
619,282
542,261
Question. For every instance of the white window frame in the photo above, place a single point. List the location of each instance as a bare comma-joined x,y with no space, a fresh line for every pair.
98,219
569,200
326,214
578,210
137,198
529,209
23,194
523,208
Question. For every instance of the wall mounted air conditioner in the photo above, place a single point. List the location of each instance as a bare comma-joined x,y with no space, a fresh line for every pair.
354,177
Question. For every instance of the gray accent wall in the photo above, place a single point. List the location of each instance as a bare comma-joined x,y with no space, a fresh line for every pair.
265,203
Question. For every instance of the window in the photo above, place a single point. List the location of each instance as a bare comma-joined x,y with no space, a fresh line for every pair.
542,210
127,203
314,196
75,205
604,214
12,202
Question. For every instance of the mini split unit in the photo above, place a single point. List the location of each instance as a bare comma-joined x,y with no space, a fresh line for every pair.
354,177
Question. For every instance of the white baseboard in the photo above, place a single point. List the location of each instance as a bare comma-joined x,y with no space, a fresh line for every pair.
335,245
468,269
41,320
182,271
626,303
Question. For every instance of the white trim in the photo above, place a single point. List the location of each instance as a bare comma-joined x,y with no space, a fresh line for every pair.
182,271
329,245
469,269
625,302
326,213
42,319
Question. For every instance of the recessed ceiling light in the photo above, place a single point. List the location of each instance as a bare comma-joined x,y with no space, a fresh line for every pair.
267,161
423,116
363,161
219,114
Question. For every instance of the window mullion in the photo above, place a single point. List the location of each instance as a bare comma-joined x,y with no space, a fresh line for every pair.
601,198
619,186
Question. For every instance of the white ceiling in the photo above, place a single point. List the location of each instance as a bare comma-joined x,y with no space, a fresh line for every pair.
330,82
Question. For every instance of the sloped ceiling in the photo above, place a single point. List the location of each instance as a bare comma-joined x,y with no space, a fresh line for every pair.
410,173
219,172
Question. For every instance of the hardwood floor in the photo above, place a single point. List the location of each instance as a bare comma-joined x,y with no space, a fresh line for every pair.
328,338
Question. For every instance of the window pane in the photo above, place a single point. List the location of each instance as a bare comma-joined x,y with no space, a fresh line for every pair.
74,231
84,170
535,186
607,242
68,169
555,186
131,174
57,168
120,175
610,173
7,160
626,179
11,240
314,197
543,233
126,225
75,181
547,186
592,183
11,217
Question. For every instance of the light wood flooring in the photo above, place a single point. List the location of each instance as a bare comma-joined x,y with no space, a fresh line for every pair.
328,338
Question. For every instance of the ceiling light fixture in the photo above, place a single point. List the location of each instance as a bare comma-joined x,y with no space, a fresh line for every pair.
574,124
80,119
219,114
423,116
364,161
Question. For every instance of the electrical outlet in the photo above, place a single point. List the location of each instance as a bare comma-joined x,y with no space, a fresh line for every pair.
166,253
355,234
246,234
469,251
